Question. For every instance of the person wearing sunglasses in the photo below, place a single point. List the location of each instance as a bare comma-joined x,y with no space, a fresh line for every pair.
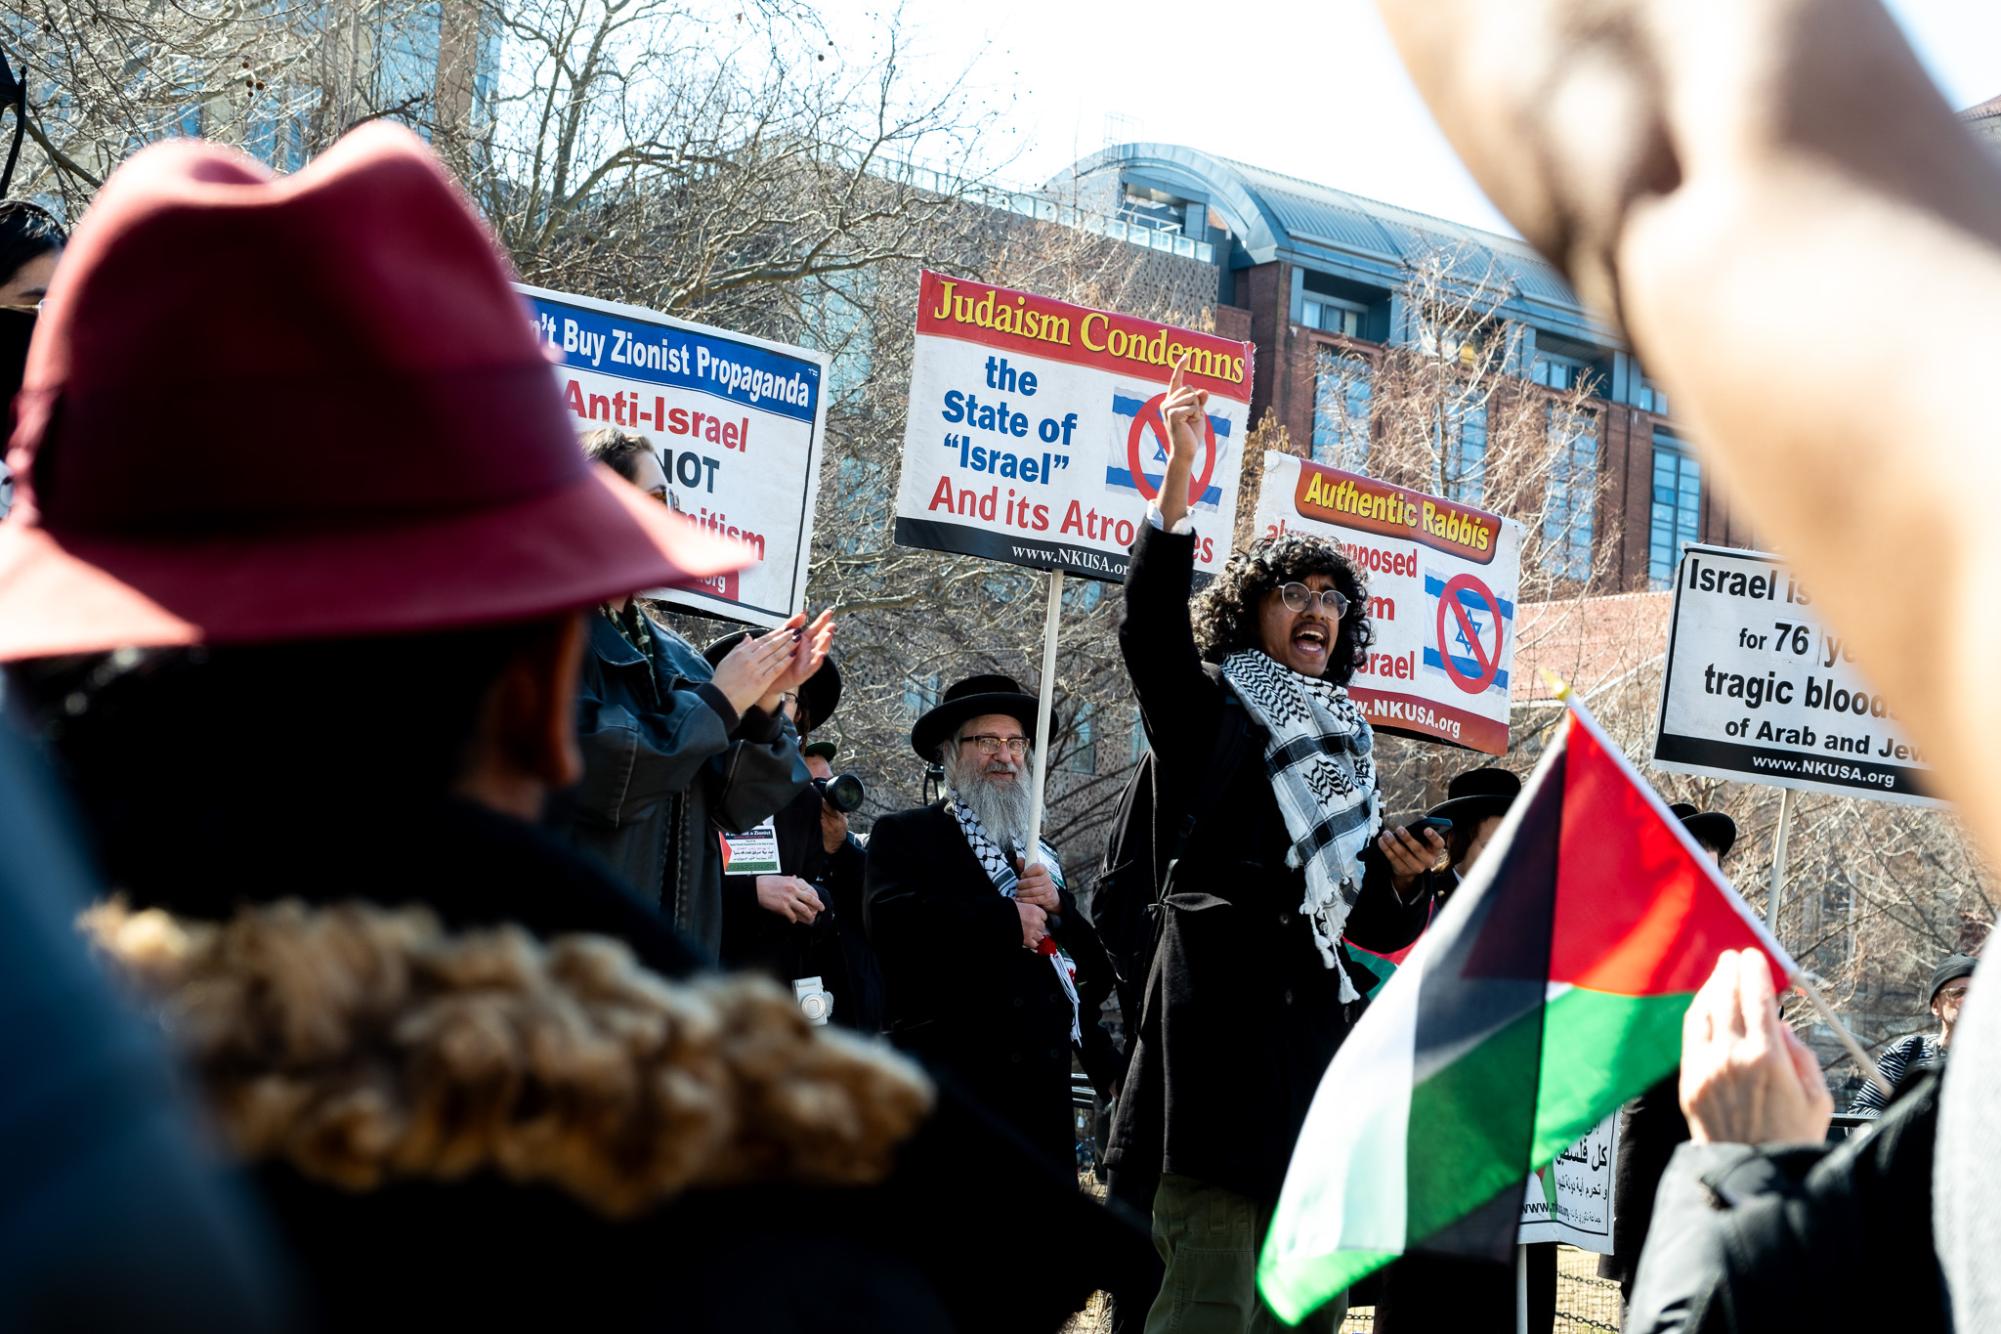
1268,769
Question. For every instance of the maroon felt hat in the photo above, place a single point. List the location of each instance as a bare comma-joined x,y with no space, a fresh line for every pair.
264,409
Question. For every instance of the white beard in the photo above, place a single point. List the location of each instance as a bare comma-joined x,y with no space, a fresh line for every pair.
1002,808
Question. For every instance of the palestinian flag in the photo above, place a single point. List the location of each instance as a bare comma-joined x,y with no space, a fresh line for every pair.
1548,990
1376,965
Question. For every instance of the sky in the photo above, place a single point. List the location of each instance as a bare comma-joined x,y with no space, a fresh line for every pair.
1329,101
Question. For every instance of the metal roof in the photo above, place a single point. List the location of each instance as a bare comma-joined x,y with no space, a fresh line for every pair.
1318,227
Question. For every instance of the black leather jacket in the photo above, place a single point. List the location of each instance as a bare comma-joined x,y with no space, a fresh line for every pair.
668,765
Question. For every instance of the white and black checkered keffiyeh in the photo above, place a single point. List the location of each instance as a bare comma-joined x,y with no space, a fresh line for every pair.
1320,755
1000,870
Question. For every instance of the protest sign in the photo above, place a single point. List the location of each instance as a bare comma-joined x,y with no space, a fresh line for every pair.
1034,434
1757,690
739,423
1571,1199
1442,580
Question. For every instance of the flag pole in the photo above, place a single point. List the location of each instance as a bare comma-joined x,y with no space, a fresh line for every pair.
1521,1289
1045,701
1841,1033
1558,687
1779,861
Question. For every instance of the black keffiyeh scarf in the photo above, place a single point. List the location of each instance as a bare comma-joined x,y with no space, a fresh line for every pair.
999,867
1320,755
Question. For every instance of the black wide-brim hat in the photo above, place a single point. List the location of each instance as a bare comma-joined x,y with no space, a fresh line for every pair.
969,699
1477,794
1711,828
821,694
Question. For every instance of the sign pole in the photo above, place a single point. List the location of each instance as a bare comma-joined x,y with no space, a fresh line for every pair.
1051,621
1779,861
1521,1289
1841,1033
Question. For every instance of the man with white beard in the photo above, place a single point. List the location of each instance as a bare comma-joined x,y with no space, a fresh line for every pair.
990,973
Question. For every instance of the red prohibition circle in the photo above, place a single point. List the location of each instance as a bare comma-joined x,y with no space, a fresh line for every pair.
1490,667
1149,416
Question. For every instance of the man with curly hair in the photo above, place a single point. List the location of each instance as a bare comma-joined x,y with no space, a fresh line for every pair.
1254,736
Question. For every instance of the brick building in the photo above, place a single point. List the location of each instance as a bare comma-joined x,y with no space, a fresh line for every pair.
1315,276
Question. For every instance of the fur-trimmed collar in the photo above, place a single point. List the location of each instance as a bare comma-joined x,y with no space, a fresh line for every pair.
365,1045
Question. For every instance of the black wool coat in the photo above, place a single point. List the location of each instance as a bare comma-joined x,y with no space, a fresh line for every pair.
961,993
1242,1015
834,945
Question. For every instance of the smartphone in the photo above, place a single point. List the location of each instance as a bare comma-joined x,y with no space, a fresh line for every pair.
1417,827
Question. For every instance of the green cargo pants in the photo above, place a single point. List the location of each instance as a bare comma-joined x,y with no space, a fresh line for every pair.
1208,1238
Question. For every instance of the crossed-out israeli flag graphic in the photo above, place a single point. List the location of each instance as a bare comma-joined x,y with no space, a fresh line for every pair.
1468,660
1153,450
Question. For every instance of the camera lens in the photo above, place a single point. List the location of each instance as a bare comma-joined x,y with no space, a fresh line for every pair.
843,792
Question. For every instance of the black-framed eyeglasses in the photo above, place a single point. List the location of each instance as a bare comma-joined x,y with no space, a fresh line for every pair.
1298,597
991,745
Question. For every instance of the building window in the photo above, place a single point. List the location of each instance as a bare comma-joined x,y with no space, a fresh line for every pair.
407,67
1083,594
836,312
1677,508
857,504
1153,208
920,694
1463,345
1082,756
1649,397
1332,316
1573,494
1562,374
1139,746
1341,411
1463,451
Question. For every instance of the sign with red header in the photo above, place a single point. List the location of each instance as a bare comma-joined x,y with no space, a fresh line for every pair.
1034,433
1442,580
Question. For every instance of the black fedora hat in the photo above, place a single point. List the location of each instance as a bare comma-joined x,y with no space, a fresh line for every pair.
1712,829
1476,794
821,694
992,693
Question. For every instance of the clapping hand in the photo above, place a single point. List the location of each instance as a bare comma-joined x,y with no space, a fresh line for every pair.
747,672
810,643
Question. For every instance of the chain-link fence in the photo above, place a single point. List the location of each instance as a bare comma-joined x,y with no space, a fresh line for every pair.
1585,1303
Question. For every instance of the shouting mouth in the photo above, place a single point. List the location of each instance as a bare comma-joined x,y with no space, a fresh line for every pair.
1310,640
